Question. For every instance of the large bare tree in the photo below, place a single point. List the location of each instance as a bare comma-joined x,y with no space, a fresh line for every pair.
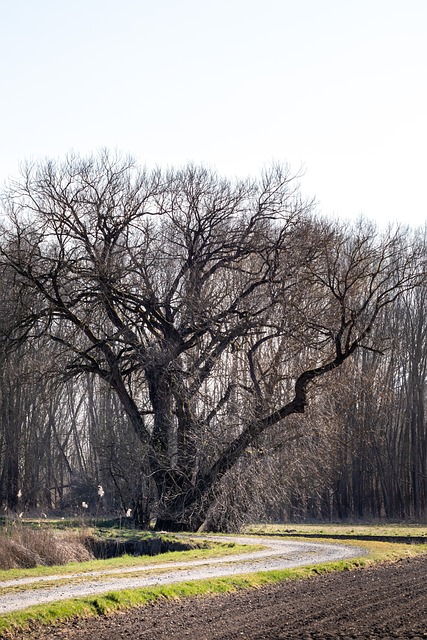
175,287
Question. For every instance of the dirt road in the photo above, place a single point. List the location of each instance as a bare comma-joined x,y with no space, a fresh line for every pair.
386,602
278,554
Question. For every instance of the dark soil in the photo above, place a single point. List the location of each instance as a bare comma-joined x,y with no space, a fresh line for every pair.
389,601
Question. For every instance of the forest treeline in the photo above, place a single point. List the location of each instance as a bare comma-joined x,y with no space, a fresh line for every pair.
208,351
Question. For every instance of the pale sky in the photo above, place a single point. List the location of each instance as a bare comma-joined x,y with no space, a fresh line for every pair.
338,87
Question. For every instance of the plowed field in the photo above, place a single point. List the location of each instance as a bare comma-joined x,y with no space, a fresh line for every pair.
389,601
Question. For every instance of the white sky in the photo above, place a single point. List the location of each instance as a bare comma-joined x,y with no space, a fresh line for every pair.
336,86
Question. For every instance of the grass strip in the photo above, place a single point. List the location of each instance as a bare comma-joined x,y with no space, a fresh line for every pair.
351,530
108,603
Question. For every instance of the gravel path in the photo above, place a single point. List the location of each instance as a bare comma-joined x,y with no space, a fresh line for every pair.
278,554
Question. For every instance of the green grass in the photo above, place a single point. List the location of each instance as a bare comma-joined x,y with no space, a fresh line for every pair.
351,530
57,612
73,523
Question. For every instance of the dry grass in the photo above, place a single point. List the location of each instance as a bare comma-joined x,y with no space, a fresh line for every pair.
26,547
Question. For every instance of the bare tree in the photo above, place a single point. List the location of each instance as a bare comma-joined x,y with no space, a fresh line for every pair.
170,286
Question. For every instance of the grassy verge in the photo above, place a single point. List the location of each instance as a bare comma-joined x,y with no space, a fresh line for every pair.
114,601
340,530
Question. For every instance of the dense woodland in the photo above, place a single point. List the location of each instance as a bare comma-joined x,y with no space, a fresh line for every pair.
209,351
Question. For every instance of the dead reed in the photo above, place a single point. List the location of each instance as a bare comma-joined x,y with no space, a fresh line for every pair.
24,547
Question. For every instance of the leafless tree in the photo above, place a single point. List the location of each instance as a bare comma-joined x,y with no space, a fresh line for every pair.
171,285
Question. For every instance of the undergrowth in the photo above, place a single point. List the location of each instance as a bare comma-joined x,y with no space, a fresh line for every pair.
25,547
